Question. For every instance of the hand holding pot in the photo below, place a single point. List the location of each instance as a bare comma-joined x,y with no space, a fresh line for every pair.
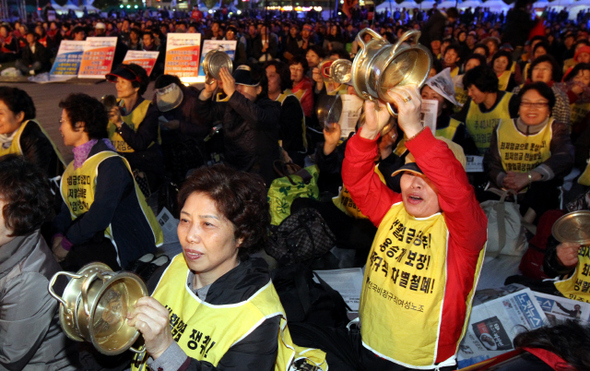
376,117
409,103
151,319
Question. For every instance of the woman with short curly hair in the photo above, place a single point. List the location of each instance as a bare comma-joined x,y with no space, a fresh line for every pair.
224,307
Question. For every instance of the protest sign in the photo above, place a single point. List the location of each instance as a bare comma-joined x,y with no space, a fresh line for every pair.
182,55
68,59
228,46
145,59
97,60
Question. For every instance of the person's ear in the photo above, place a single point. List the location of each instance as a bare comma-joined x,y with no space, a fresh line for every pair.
20,116
80,126
258,90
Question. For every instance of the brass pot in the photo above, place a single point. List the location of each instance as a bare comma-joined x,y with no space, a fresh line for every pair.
95,304
213,62
380,66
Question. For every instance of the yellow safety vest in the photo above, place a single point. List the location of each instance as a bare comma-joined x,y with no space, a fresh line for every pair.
461,96
404,287
346,204
455,72
577,287
133,120
15,147
503,80
207,331
522,153
481,125
525,73
78,187
579,112
281,98
447,132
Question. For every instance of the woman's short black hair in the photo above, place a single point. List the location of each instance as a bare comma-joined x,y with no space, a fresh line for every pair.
543,89
574,71
318,50
482,60
283,72
25,193
165,80
299,59
555,70
239,196
503,53
17,101
81,107
483,77
484,47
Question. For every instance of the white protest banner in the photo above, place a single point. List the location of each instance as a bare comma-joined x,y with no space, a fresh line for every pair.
145,59
182,55
428,114
228,46
68,59
351,111
97,60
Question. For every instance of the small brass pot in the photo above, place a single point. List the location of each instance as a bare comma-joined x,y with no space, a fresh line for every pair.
213,62
95,304
380,66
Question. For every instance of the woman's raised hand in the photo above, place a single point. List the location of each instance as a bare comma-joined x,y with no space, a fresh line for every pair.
151,319
409,103
376,117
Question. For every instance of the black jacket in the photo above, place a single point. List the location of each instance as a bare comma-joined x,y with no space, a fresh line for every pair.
41,54
250,132
37,148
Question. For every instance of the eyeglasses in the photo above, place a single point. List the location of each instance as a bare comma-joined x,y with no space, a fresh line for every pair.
534,105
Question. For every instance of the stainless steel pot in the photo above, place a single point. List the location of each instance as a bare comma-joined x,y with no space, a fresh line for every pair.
95,304
336,70
380,66
213,62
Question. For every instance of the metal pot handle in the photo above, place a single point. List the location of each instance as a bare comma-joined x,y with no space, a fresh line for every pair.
103,276
412,35
390,110
52,282
359,36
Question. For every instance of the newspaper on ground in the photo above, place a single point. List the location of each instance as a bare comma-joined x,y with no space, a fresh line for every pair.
558,309
348,282
493,325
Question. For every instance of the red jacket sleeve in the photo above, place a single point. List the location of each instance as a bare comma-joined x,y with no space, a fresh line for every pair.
371,196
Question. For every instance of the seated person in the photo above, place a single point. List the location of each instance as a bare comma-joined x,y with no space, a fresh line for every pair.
104,217
421,238
133,126
302,85
22,135
250,120
530,155
486,106
292,120
8,44
576,84
545,69
501,63
35,57
31,335
224,307
471,61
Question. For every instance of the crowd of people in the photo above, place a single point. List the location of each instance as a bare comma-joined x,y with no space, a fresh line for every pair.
510,89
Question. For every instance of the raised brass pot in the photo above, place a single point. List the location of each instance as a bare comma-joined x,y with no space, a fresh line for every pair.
213,62
380,66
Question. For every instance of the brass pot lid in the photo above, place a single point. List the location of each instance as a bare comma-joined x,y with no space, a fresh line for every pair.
573,227
108,327
214,61
408,67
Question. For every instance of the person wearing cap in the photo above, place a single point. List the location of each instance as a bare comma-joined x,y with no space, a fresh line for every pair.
426,256
531,154
486,105
133,125
100,29
250,120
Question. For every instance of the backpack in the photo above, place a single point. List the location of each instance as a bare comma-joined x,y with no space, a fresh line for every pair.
302,236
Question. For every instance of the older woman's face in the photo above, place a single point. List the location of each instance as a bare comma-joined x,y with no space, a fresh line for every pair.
472,63
9,121
313,60
500,64
125,89
583,76
296,73
543,72
207,238
419,195
534,108
539,52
